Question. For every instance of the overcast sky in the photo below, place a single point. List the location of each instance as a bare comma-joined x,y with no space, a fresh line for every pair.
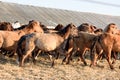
107,7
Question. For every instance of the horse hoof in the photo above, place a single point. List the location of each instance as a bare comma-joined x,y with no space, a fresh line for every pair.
53,64
91,65
113,62
63,63
85,63
111,67
119,67
67,62
20,65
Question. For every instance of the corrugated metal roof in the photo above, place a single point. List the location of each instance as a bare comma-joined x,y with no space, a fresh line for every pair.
23,13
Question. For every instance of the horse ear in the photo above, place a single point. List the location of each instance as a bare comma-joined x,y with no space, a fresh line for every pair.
34,23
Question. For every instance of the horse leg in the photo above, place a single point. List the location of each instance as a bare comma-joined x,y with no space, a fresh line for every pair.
68,56
35,54
28,53
20,60
57,56
81,53
114,55
108,57
51,58
19,57
94,57
64,59
24,57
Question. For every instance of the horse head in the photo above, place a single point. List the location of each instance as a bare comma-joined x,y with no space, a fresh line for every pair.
59,27
111,28
6,26
33,26
98,31
70,29
86,28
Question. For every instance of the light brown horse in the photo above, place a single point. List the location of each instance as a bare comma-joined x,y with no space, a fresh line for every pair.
9,39
109,42
46,42
111,29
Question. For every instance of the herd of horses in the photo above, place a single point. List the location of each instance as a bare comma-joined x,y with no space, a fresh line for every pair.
28,41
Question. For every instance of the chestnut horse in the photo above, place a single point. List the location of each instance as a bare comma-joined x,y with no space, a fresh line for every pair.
109,42
9,39
111,28
46,42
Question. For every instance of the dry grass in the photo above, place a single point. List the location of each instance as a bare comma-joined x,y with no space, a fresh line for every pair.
9,70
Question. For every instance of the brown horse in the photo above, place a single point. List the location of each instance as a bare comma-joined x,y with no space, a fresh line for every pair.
59,27
6,26
56,29
70,47
9,39
79,43
98,31
85,27
109,42
46,42
111,28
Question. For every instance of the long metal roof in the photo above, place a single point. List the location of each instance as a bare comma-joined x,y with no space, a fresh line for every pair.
23,13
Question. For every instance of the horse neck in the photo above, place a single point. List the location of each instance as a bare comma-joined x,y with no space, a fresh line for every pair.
66,34
20,32
26,30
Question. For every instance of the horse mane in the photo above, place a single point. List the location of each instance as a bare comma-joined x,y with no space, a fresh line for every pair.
98,30
32,24
83,27
63,31
69,40
28,26
44,27
4,26
59,27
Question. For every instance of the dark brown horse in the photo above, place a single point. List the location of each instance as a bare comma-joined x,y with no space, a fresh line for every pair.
56,29
45,42
7,26
79,43
59,27
85,27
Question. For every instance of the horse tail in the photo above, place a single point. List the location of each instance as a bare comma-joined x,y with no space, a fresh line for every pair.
1,40
19,45
93,47
68,43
